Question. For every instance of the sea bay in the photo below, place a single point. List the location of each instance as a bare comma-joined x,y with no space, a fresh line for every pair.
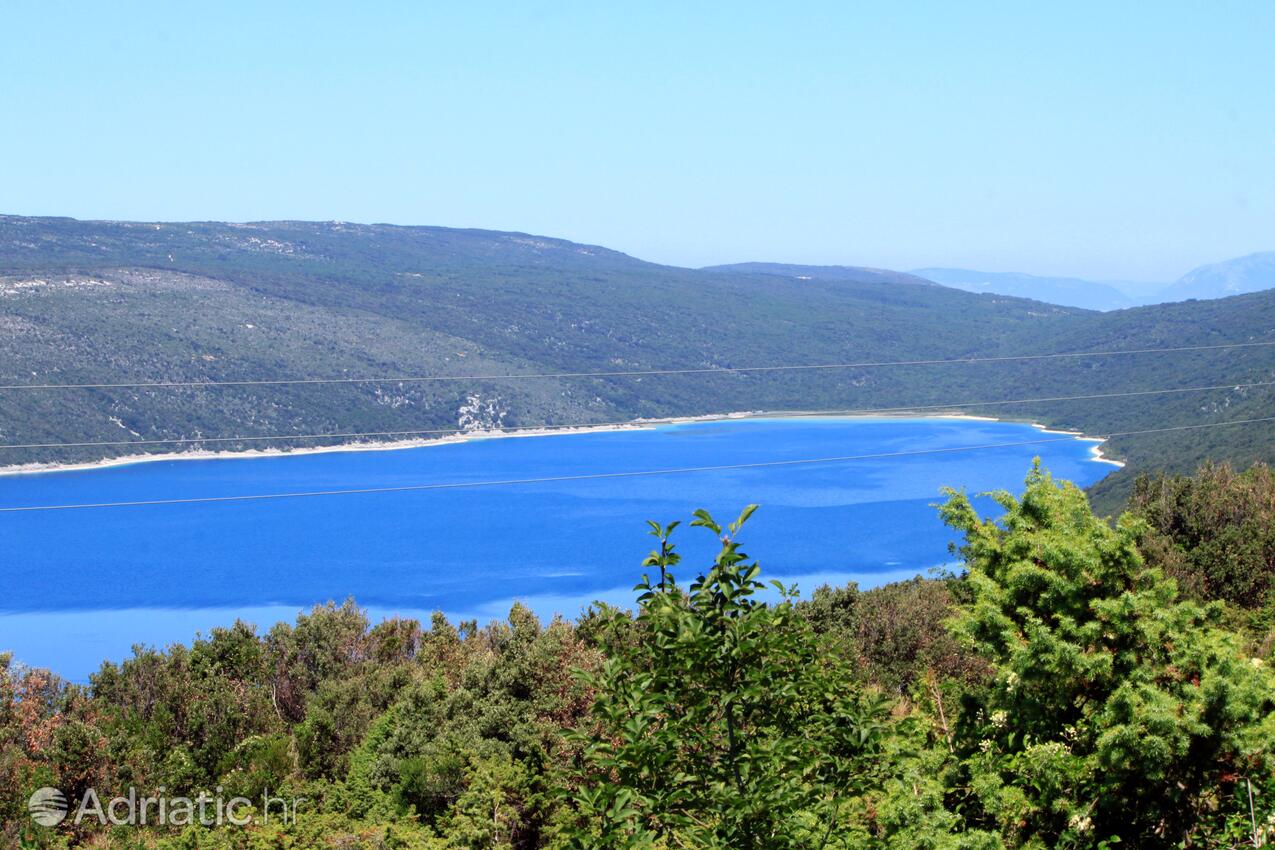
84,585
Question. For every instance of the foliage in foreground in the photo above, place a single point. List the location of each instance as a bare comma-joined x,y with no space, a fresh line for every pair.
723,725
1116,711
1061,694
1214,533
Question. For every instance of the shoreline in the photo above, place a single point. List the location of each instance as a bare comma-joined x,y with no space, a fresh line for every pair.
43,468
1095,450
75,642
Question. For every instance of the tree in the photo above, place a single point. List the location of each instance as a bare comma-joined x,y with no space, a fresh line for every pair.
1214,532
1117,711
723,726
895,634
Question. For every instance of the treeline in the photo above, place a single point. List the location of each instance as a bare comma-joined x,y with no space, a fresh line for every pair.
1081,684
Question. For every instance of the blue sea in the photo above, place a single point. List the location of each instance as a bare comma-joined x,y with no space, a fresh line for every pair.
80,586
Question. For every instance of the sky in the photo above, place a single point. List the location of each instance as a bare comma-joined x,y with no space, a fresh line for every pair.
1107,140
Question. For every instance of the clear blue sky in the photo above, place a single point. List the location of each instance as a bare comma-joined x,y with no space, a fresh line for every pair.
1115,140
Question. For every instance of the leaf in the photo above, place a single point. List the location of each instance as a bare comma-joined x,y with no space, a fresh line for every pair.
704,519
743,518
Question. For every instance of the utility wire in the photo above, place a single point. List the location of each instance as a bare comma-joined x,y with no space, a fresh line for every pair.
624,374
595,476
521,428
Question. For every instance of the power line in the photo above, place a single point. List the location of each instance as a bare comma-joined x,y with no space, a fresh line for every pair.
549,427
406,379
595,476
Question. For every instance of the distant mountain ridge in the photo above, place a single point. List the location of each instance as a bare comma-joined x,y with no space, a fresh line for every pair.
1251,273
1067,291
1062,291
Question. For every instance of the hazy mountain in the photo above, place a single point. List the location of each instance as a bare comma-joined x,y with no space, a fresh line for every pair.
1141,291
1253,273
1068,291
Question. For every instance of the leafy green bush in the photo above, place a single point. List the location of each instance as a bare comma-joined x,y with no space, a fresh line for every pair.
723,726
1214,532
1116,711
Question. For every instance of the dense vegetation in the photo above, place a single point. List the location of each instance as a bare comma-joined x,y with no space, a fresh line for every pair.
118,301
1214,533
1082,684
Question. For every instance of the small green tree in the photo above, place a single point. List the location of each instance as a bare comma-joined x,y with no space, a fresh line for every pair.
723,726
1214,533
1117,712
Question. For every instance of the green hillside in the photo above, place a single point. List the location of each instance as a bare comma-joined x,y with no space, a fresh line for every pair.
100,302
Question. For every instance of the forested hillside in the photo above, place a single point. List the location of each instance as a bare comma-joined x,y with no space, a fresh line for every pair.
113,302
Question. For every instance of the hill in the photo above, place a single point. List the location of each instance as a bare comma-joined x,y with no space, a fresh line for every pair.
1068,291
107,302
1252,273
854,274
